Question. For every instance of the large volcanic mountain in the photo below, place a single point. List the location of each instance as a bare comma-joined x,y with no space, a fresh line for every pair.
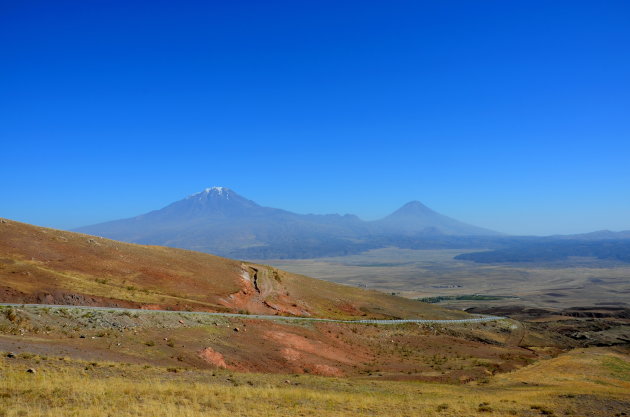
218,220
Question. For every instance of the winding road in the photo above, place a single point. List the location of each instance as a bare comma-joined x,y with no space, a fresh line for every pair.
477,319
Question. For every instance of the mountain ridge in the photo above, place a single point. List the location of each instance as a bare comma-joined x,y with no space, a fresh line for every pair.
218,220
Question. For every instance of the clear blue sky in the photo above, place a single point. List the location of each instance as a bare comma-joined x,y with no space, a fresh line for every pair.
511,115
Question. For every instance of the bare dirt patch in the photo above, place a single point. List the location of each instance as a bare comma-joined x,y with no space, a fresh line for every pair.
213,357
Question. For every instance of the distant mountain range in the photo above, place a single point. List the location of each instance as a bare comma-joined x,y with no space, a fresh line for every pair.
601,245
218,220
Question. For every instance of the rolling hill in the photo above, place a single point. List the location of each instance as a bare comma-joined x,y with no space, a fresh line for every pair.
40,265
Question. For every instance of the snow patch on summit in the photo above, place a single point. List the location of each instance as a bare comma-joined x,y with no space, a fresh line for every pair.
219,191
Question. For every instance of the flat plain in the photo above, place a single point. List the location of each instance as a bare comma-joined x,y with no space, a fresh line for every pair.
433,273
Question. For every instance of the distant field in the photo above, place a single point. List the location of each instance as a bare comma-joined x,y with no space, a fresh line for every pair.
435,273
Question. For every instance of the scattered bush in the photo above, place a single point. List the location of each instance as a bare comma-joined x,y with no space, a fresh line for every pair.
11,315
27,355
543,410
484,408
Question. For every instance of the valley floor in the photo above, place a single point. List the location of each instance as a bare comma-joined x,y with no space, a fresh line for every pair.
436,273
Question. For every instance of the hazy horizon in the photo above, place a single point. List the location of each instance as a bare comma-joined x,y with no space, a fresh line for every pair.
126,214
511,117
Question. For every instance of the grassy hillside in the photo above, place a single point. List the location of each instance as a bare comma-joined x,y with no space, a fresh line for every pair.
40,265
100,363
586,383
408,351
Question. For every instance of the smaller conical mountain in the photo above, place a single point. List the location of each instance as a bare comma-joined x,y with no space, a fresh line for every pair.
218,220
414,218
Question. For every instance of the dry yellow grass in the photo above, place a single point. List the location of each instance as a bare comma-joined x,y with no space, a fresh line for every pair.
585,379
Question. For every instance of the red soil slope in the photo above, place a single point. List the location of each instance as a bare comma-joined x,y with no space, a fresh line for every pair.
40,265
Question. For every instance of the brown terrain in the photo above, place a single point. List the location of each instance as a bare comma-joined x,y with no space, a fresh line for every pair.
539,362
48,266
576,282
418,352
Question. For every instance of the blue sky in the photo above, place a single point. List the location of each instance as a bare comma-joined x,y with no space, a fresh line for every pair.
511,115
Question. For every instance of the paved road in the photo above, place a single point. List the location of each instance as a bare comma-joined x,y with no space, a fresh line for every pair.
477,319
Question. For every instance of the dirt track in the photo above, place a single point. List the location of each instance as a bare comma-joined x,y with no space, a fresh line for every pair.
478,319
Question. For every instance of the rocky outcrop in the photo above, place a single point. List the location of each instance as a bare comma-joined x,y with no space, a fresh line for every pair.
213,357
262,292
